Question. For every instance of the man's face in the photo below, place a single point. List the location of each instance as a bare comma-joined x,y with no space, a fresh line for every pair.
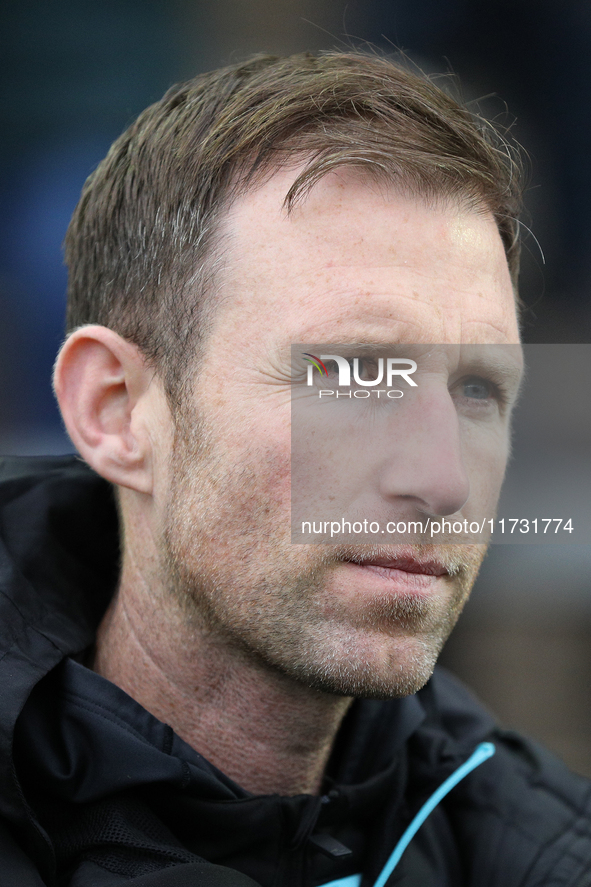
351,264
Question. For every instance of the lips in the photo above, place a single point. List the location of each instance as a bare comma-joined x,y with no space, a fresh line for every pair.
404,564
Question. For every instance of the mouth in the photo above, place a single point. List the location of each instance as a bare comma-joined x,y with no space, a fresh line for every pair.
396,573
399,563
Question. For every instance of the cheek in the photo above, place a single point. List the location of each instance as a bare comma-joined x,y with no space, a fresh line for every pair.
227,507
253,485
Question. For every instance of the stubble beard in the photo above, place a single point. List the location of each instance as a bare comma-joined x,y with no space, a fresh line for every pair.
238,580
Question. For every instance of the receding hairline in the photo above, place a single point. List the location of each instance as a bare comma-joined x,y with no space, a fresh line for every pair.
295,199
371,176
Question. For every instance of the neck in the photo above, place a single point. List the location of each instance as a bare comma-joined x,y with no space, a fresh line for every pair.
268,732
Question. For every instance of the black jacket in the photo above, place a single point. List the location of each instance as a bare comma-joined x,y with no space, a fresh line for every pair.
97,792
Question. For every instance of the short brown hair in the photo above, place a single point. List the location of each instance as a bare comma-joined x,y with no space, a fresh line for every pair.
140,244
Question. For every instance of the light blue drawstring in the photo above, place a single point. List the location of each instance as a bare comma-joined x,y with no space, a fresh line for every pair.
482,752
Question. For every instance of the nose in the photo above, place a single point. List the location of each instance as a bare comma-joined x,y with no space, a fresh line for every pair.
423,461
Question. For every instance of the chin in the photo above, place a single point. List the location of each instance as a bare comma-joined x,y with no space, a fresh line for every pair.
401,669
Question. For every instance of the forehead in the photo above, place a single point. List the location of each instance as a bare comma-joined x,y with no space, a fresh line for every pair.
354,261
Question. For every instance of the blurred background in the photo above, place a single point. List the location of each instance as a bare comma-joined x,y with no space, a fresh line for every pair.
76,72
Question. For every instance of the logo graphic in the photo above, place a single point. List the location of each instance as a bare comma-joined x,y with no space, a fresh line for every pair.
394,366
310,358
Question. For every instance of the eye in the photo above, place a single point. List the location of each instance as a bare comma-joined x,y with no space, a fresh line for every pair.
477,388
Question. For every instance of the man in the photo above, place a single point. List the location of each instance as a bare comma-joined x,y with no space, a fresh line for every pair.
208,734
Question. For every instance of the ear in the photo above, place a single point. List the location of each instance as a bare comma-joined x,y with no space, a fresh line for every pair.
102,384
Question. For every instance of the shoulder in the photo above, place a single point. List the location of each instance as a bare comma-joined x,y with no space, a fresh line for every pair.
524,814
